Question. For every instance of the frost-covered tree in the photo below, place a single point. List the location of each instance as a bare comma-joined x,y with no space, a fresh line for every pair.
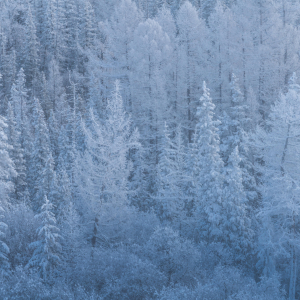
67,151
234,132
106,159
68,27
236,123
120,34
17,155
19,97
47,249
173,179
236,225
4,249
279,213
7,167
208,178
53,135
41,162
31,55
190,31
150,55
89,26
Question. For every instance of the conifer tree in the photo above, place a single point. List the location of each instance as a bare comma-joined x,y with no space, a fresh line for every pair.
19,97
31,55
4,249
150,55
173,179
50,39
237,123
47,249
89,34
53,135
64,194
190,29
7,167
67,151
41,161
105,160
120,34
277,146
17,155
235,130
68,27
236,225
208,179
8,72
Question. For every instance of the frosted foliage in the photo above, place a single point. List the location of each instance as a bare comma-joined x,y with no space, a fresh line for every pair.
207,169
106,159
156,142
46,255
7,166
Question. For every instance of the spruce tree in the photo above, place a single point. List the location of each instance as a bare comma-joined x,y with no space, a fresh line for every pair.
277,146
19,97
7,167
17,155
236,225
31,54
173,179
89,30
47,249
106,159
4,249
41,161
208,165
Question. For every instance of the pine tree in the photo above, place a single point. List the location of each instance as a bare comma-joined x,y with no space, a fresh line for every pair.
150,55
17,155
89,29
208,179
173,179
237,123
67,151
47,249
120,34
64,194
50,38
8,71
190,28
41,161
31,55
236,225
55,84
235,130
46,103
7,167
53,135
105,160
19,97
277,146
4,249
68,27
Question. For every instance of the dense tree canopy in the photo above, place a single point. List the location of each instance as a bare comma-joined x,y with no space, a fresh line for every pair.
156,142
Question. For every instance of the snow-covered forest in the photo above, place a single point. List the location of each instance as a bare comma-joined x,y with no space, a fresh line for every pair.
150,149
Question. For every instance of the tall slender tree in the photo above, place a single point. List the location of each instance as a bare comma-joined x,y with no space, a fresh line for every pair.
208,178
47,249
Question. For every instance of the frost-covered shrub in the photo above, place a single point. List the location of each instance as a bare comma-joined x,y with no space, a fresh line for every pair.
119,274
175,256
227,283
129,277
124,225
20,233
